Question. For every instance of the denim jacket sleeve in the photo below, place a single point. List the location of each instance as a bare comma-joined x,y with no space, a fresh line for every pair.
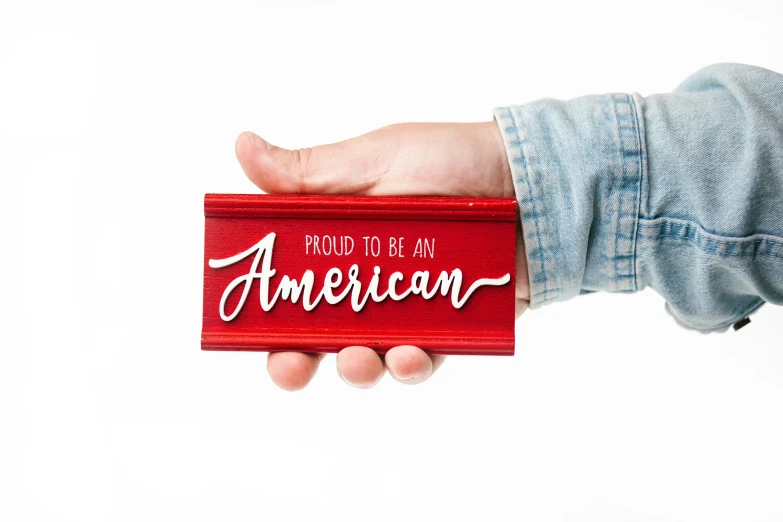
681,192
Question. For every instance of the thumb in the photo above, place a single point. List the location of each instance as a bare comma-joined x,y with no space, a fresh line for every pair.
339,168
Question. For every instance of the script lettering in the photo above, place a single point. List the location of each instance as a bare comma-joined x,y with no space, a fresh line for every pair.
293,290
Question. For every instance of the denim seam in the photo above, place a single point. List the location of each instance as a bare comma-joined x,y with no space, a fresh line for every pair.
541,289
536,215
752,246
626,184
636,101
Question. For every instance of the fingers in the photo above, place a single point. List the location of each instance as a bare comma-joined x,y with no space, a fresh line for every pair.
360,366
292,371
340,168
411,365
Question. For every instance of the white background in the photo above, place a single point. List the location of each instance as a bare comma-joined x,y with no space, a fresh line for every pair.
114,121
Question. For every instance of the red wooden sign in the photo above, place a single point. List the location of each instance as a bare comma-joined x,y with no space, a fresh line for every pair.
318,273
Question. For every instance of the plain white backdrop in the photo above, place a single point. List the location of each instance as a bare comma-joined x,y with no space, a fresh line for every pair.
114,122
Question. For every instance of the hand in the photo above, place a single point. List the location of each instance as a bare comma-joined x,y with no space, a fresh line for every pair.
420,159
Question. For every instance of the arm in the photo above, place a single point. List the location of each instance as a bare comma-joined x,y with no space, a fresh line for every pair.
681,192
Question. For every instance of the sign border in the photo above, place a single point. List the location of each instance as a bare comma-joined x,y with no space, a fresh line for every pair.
424,208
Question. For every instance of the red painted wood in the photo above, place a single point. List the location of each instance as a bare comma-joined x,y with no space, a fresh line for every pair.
476,235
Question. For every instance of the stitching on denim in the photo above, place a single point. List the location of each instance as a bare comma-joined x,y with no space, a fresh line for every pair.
612,117
677,218
757,245
542,292
626,187
535,217
637,204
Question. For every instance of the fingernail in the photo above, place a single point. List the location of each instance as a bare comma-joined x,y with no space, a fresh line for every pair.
401,378
411,377
257,141
346,381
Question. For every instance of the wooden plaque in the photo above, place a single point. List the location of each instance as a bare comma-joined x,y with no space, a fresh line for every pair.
319,273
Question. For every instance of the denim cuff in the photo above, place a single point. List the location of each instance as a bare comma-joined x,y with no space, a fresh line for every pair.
577,168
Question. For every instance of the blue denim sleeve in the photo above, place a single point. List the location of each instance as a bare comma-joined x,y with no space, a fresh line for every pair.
680,192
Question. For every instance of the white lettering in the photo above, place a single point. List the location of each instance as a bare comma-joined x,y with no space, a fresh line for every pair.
290,289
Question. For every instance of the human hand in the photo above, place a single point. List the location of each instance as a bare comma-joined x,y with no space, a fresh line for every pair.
415,159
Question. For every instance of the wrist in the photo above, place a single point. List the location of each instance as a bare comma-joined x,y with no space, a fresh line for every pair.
507,183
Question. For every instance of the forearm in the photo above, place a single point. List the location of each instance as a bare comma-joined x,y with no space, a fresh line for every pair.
680,192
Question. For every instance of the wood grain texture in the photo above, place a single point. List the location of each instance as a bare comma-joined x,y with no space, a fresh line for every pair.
474,235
